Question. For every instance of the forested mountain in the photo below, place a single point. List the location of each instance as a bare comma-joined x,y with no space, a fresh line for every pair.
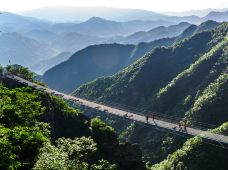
40,131
154,34
66,76
189,81
165,62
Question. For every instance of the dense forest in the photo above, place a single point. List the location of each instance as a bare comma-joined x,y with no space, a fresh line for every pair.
188,81
41,131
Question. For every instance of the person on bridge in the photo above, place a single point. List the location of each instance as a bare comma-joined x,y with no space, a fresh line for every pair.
185,125
147,118
153,115
180,126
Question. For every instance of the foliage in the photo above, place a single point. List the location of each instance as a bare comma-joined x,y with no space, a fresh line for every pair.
103,165
195,154
19,146
82,149
71,154
42,131
21,72
19,106
98,125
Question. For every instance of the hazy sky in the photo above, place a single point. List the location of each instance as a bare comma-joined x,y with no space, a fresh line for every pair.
154,5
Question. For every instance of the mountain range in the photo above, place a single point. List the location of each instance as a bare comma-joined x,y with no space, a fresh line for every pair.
72,14
153,34
34,40
47,39
102,27
105,60
139,79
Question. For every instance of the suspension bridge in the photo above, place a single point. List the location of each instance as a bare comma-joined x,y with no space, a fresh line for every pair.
156,121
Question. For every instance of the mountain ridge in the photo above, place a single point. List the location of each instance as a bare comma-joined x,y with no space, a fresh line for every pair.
136,52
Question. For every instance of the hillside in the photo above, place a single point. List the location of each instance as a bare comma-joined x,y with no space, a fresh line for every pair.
40,131
191,96
196,154
192,85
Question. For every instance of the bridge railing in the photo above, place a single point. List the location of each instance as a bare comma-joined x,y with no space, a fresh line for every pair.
159,116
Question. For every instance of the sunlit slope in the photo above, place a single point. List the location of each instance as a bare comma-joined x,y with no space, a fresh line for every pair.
138,83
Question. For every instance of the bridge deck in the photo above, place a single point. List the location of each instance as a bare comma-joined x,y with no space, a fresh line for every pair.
130,115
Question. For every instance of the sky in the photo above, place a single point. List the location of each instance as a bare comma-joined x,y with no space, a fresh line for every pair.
153,5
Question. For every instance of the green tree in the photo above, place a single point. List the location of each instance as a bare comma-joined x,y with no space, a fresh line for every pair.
103,165
19,146
19,106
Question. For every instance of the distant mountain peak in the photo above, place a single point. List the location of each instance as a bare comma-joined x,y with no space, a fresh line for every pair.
96,20
183,23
